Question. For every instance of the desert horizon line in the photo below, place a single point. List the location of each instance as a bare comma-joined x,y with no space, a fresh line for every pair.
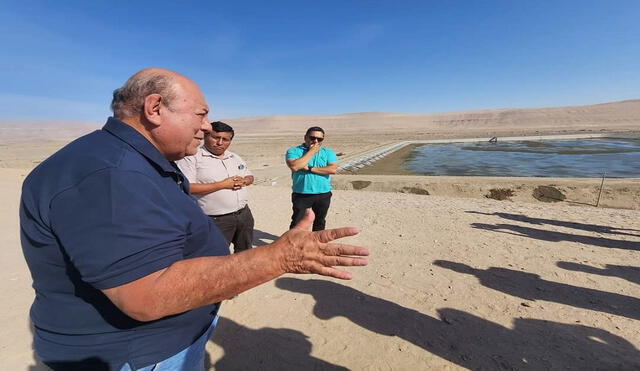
240,118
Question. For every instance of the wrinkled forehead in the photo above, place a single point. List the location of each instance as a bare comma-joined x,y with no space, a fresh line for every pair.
189,92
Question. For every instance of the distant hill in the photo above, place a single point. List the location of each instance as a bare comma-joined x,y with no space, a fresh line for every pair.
623,116
616,116
37,131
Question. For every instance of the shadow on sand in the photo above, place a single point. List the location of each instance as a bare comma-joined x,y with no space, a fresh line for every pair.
540,221
554,236
530,286
261,238
264,349
629,273
470,341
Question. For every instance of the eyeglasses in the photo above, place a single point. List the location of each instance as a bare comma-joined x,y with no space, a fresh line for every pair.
311,139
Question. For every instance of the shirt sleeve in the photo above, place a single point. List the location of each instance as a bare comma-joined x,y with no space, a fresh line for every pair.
188,167
117,226
293,153
331,156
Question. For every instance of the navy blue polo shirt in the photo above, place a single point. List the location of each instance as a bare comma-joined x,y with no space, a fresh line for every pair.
105,210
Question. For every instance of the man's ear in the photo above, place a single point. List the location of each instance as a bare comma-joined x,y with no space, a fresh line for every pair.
152,104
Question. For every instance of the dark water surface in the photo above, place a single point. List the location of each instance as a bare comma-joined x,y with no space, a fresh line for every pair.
578,158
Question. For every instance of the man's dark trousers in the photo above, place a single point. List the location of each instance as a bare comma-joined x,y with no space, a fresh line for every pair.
319,203
237,228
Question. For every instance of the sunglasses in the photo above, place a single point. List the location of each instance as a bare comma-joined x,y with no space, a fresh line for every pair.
311,139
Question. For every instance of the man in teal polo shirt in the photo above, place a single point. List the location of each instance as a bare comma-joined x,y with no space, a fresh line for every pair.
311,165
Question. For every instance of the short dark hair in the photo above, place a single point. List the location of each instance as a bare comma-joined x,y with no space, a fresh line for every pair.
314,128
221,127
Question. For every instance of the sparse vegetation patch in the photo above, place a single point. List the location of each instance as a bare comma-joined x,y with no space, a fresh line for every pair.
414,190
548,194
360,184
500,194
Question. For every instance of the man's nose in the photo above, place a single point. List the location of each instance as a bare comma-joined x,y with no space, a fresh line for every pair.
206,126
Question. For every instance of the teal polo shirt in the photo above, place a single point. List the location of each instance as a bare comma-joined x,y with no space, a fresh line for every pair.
310,183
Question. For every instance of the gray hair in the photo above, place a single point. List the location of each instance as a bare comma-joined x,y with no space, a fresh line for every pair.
128,101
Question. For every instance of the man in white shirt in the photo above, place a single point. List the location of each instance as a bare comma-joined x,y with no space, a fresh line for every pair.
217,180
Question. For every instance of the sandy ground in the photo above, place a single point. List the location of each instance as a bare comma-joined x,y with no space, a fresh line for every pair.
453,282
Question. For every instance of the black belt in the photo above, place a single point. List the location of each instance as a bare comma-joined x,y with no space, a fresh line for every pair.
231,213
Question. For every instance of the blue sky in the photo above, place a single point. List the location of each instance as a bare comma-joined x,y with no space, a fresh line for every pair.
62,59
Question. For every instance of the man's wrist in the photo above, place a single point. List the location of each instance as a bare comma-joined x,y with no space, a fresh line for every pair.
309,168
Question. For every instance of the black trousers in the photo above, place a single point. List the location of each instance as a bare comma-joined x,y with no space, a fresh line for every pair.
237,228
319,203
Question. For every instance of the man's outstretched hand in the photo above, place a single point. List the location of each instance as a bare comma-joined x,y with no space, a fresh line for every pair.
302,251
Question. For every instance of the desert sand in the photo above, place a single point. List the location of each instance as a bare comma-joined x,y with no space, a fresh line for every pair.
455,281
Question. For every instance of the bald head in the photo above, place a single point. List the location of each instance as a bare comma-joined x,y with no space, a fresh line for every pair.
128,101
167,108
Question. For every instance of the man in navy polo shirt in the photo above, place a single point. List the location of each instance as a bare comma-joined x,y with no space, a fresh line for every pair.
128,271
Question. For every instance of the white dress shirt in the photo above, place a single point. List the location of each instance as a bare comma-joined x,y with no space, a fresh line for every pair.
205,167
